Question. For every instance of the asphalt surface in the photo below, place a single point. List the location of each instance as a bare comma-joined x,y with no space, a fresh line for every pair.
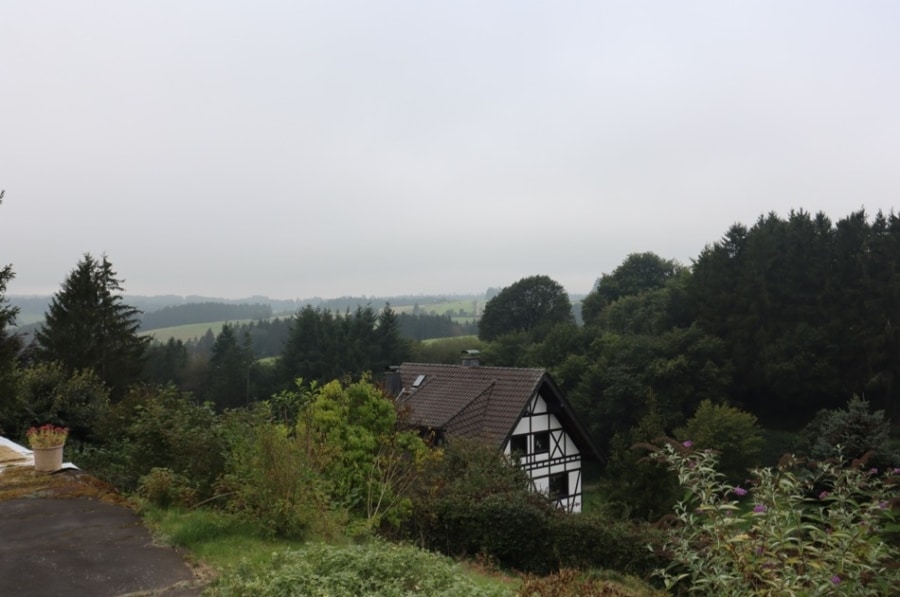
86,547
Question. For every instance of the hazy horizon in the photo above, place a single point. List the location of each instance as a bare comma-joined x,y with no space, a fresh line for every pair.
301,149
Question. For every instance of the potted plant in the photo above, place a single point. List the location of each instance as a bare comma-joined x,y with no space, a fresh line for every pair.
47,443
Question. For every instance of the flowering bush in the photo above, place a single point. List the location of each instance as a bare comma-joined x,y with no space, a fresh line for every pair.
47,436
811,528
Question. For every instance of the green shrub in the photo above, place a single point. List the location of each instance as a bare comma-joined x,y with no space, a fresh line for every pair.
508,528
374,569
47,393
474,501
158,428
857,430
591,541
731,432
165,488
578,583
272,481
812,530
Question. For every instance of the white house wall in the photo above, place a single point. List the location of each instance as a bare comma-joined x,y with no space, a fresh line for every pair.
561,458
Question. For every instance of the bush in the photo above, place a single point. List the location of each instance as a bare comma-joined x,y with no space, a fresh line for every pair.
857,430
732,432
158,428
374,569
590,541
575,583
272,481
165,488
800,530
474,501
46,393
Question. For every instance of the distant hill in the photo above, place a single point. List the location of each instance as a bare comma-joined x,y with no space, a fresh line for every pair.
32,308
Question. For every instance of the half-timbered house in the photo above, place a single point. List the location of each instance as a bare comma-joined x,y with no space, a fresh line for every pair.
519,410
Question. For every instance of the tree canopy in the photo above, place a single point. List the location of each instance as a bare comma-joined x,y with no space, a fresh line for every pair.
88,326
323,345
640,272
532,305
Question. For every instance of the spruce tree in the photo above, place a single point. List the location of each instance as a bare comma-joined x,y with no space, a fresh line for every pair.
88,326
10,342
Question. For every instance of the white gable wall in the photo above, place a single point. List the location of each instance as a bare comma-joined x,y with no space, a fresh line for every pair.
551,457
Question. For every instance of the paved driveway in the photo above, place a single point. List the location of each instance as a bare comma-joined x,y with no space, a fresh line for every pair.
84,546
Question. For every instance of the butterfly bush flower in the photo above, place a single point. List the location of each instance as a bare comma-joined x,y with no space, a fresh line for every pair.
844,538
687,443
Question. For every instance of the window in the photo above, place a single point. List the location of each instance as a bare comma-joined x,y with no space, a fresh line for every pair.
559,486
542,442
518,444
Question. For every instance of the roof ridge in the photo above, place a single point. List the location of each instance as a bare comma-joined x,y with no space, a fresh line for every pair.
468,367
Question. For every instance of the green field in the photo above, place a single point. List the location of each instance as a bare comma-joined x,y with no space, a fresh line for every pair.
190,331
454,307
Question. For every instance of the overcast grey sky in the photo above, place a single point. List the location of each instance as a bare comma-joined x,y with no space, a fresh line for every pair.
299,149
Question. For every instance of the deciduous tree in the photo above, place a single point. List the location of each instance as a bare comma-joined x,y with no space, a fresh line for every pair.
639,273
532,305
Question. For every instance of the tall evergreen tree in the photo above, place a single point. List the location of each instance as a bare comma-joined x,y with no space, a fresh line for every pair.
392,347
10,343
88,326
229,369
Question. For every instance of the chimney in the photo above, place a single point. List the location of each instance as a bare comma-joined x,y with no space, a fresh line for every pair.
392,383
471,358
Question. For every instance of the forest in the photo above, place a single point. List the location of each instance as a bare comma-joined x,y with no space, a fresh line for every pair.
779,337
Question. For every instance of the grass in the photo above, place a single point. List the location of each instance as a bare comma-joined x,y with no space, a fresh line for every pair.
216,538
245,560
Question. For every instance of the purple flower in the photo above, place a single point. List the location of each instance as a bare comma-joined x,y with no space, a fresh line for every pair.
759,508
687,443
883,505
740,491
823,495
836,579
873,471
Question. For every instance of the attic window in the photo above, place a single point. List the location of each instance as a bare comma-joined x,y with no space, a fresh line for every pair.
542,442
418,381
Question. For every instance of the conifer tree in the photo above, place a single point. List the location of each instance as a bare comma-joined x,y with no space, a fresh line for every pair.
88,326
10,342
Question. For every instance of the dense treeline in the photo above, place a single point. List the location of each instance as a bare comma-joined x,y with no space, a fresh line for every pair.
807,310
782,319
203,313
324,345
422,326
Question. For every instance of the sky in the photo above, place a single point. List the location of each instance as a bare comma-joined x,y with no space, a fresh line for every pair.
296,149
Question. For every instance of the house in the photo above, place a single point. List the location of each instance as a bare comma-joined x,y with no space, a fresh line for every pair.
521,411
